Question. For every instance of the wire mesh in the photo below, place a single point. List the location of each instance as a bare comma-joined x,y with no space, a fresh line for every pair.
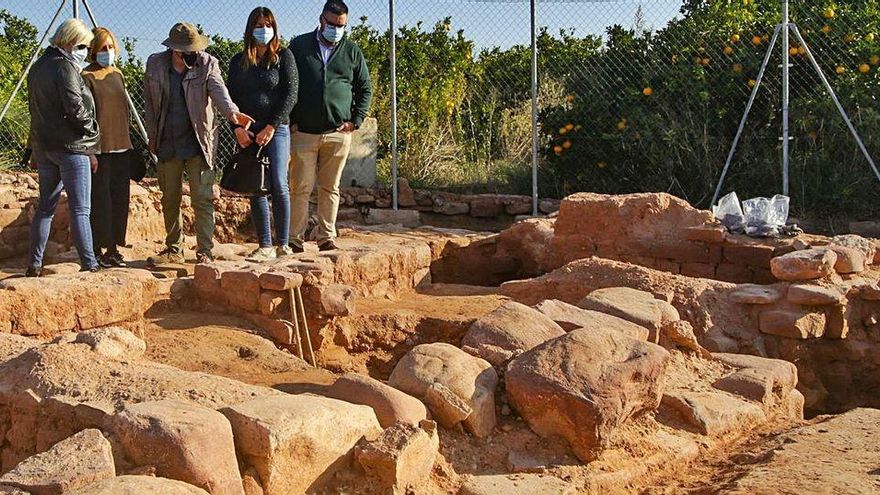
633,95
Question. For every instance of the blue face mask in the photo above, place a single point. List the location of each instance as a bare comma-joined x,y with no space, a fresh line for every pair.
263,35
106,59
333,34
79,55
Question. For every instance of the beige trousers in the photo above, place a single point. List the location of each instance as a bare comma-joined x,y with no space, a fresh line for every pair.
314,157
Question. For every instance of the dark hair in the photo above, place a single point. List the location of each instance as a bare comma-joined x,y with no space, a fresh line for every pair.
335,7
249,57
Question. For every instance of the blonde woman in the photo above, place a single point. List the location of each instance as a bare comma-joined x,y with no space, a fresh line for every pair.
110,183
64,139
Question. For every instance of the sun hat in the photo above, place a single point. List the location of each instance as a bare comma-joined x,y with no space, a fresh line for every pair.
185,37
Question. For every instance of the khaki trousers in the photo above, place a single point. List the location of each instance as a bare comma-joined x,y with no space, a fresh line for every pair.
314,157
201,188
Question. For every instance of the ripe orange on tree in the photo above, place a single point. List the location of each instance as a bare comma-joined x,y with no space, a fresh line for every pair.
728,50
756,40
567,144
557,149
840,69
737,68
875,59
829,13
826,29
734,38
648,91
752,83
864,68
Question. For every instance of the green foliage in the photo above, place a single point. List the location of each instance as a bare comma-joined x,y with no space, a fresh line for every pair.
659,111
18,39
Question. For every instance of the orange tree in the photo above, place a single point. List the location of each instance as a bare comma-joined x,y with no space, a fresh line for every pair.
658,111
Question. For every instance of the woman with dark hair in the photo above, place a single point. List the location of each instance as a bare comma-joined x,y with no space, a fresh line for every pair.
263,82
110,183
64,138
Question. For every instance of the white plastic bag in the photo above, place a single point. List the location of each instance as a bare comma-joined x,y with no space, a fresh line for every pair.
765,216
729,213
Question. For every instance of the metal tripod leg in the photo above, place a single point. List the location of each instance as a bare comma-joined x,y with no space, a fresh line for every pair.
745,117
30,64
833,95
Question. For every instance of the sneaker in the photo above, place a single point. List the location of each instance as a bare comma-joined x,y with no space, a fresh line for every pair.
327,245
284,250
94,269
204,256
104,261
34,271
262,254
117,260
167,255
296,248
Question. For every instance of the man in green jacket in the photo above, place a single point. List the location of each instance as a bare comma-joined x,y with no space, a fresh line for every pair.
334,95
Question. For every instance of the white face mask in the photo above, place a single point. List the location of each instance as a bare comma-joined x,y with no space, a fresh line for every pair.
79,55
106,58
263,35
333,34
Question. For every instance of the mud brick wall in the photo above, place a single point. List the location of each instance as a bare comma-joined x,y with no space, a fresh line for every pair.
662,232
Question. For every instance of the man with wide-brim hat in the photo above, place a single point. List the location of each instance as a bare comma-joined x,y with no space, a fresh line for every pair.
182,85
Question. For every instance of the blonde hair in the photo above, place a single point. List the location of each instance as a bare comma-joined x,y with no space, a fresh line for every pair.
72,32
102,36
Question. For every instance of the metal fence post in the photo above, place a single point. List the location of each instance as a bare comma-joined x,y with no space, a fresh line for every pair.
393,39
534,36
786,66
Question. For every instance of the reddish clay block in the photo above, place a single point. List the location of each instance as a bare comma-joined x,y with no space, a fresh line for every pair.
207,277
242,289
699,270
712,234
683,251
763,276
732,272
755,255
669,266
716,254
280,280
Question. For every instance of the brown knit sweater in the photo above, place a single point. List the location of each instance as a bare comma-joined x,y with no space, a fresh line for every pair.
108,87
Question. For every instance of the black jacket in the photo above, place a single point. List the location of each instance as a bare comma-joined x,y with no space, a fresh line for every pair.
62,107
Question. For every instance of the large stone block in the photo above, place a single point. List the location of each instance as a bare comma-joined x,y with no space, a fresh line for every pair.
809,264
390,405
360,168
510,329
70,464
470,379
298,441
183,441
585,384
792,323
403,457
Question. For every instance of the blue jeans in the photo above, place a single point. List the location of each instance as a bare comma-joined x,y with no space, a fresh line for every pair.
73,173
278,150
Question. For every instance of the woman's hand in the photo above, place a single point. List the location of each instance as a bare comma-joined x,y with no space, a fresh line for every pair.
266,135
93,161
244,137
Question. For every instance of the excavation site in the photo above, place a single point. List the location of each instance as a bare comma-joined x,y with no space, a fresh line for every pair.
617,344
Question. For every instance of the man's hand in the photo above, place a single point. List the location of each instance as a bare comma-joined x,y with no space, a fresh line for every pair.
153,147
242,120
266,135
244,137
93,161
346,127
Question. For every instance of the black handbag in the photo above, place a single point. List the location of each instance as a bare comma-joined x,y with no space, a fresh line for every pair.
247,172
137,165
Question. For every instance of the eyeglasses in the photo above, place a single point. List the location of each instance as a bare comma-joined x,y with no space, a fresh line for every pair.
331,23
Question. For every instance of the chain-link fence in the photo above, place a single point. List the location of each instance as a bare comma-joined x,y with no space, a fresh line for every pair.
632,96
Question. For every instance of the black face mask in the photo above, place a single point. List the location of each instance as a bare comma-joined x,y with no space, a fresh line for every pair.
190,59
